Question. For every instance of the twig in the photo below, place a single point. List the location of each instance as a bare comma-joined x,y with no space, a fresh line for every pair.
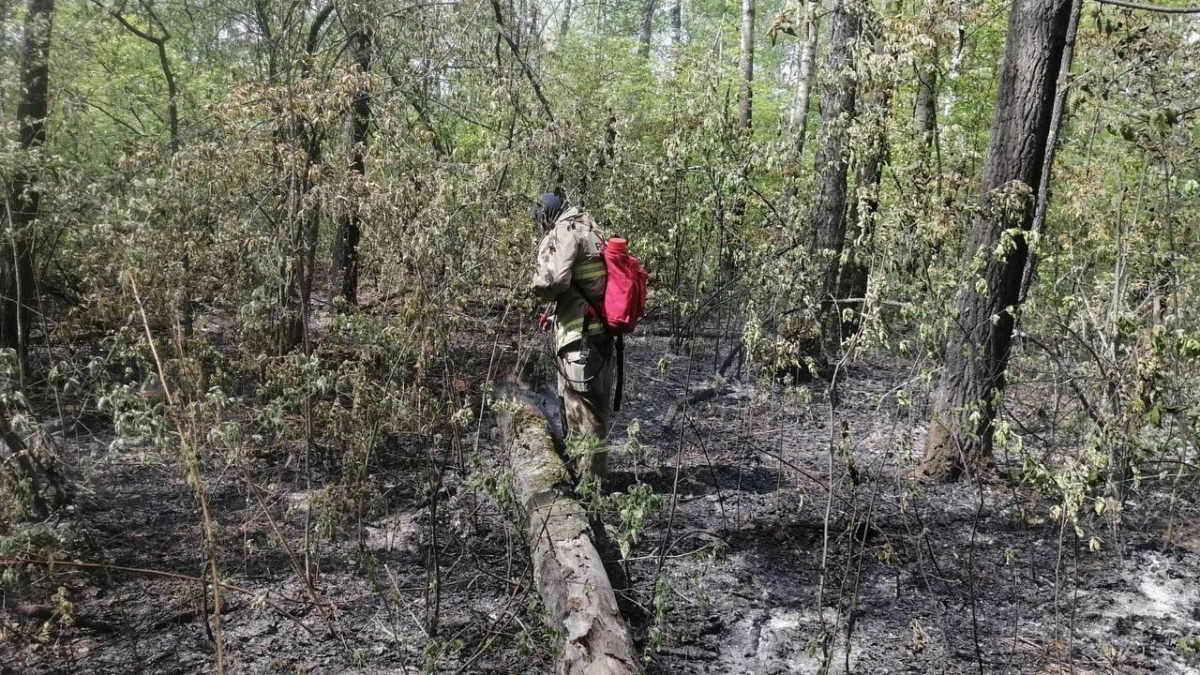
662,555
44,562
1150,8
196,479
311,589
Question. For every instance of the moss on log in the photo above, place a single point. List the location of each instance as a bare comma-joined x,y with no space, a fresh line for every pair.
567,569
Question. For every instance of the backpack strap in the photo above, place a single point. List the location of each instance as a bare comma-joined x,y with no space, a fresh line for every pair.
619,347
599,311
620,387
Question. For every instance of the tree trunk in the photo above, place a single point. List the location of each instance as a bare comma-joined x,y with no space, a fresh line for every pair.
303,218
957,53
647,33
873,114
24,200
837,110
564,26
302,215
344,283
567,569
1060,104
926,106
854,275
676,23
977,349
808,54
746,67
798,122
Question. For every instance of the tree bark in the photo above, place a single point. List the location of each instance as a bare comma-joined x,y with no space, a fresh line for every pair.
977,349
956,58
799,118
349,226
746,67
1056,114
926,105
567,569
808,54
646,36
855,274
873,113
564,26
24,197
837,111
676,23
301,215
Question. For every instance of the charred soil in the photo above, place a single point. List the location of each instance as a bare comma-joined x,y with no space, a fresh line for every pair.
766,531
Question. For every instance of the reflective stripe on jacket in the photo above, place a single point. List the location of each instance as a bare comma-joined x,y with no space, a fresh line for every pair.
570,260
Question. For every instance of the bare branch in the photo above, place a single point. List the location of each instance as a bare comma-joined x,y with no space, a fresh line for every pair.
314,33
1150,8
116,14
516,52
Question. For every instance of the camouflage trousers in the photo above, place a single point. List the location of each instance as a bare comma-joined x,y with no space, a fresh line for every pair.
586,370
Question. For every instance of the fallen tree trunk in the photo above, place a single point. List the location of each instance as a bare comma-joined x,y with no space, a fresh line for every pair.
567,569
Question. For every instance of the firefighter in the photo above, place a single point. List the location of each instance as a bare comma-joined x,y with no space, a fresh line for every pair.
571,273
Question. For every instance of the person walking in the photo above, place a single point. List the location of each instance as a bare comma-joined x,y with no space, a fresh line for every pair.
571,273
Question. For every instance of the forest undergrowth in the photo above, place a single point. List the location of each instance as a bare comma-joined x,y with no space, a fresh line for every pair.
758,527
917,391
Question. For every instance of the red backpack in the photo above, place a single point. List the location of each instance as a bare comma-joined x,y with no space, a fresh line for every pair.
625,291
624,302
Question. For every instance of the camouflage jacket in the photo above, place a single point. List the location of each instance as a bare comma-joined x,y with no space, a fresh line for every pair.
570,260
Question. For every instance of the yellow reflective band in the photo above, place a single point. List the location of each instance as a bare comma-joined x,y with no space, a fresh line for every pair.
576,325
589,270
573,324
566,331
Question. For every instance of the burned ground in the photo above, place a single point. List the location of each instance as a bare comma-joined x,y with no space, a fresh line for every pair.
789,538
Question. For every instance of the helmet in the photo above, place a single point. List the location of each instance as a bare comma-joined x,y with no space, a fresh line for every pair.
547,210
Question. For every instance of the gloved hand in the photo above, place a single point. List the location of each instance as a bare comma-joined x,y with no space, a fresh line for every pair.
544,322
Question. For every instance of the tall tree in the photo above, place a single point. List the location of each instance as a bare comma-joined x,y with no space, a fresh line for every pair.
798,122
299,140
926,103
832,162
746,67
349,223
646,36
564,26
676,12
31,472
17,291
1019,152
807,55
925,115
872,116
